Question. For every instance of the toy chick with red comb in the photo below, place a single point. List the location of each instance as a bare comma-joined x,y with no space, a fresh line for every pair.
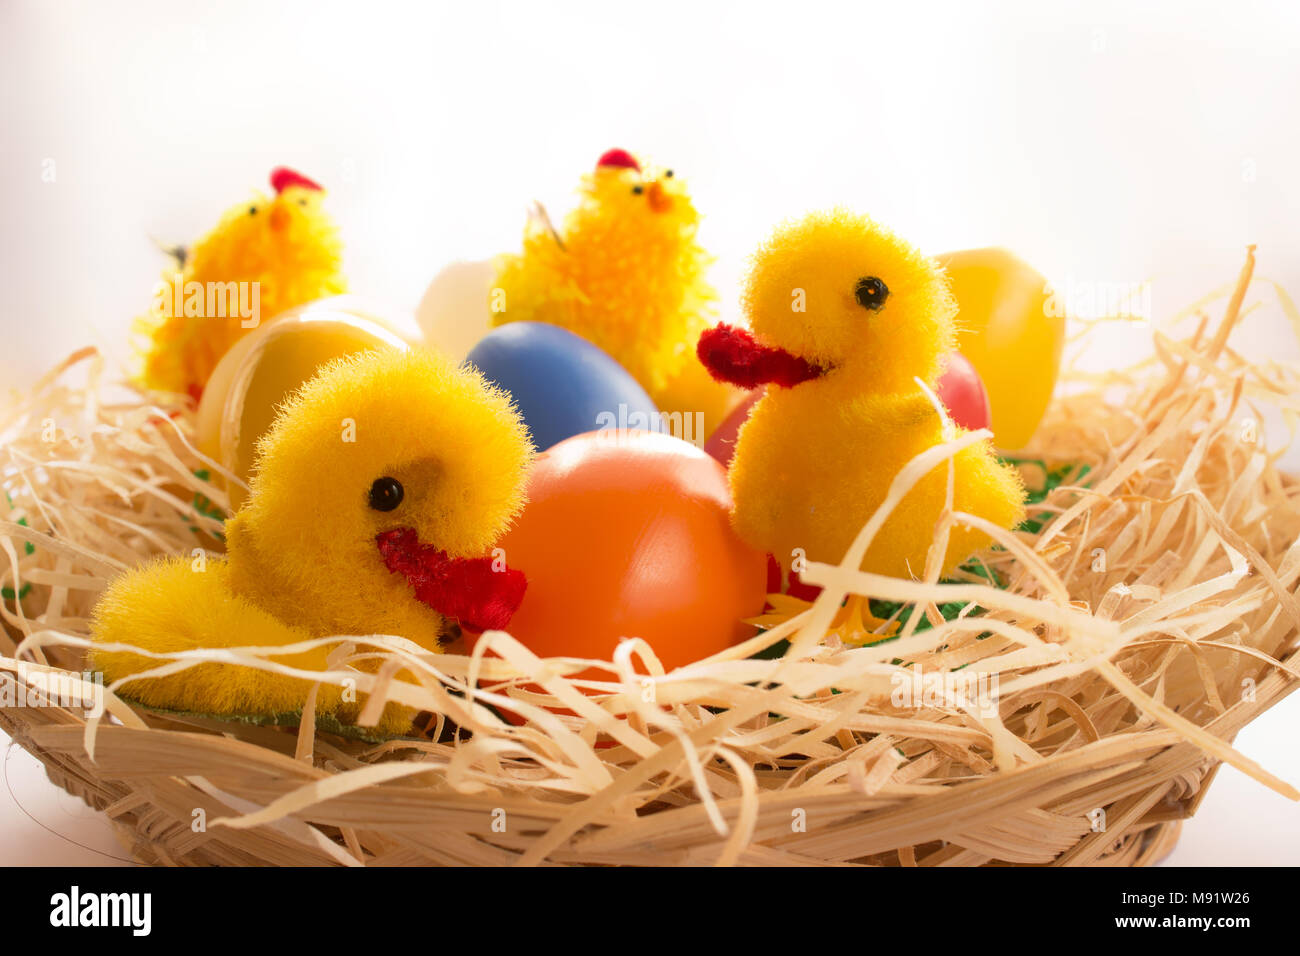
626,272
850,328
266,255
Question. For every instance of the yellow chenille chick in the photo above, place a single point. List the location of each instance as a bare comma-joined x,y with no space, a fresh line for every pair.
626,273
266,255
379,492
845,318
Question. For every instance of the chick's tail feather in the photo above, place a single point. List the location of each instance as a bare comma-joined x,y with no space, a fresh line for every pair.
174,605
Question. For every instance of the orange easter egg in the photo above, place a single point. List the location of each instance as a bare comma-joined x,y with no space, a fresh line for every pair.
628,534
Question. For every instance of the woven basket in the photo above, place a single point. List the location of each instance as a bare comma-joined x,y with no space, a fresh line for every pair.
1080,710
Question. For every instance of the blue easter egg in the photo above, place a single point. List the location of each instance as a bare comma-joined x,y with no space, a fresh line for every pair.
562,384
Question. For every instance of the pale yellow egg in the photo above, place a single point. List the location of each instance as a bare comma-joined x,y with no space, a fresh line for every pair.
261,370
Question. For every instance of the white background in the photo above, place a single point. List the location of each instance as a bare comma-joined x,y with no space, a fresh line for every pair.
1105,144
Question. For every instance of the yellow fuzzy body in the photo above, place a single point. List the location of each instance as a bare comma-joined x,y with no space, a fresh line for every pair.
628,275
815,461
817,494
168,605
302,559
287,244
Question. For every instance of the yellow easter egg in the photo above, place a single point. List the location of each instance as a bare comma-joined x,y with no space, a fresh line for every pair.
456,309
261,370
1011,334
695,403
401,322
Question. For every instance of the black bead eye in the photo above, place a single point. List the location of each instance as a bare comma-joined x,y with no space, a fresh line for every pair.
871,293
637,190
252,210
386,494
668,174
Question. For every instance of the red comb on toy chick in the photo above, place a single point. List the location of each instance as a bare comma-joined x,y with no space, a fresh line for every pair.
282,177
618,158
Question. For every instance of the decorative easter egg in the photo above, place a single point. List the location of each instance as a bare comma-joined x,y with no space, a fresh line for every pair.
1012,334
562,384
629,535
456,309
697,401
261,370
722,443
963,394
401,322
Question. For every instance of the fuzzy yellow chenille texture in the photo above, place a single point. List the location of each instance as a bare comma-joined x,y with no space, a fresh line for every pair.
625,271
815,460
302,560
286,243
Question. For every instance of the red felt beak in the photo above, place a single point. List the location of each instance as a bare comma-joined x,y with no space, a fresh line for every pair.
731,355
471,590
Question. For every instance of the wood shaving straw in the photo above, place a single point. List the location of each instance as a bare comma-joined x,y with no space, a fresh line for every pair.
1073,717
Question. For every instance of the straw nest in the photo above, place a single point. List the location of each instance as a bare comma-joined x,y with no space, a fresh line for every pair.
1072,714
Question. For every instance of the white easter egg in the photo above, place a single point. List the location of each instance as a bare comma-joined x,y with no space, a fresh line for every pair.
455,313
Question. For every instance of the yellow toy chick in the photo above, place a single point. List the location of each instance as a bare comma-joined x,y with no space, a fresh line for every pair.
379,491
266,255
846,318
626,273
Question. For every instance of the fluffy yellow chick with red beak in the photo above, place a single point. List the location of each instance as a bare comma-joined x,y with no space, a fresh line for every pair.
378,494
848,323
624,271
266,255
